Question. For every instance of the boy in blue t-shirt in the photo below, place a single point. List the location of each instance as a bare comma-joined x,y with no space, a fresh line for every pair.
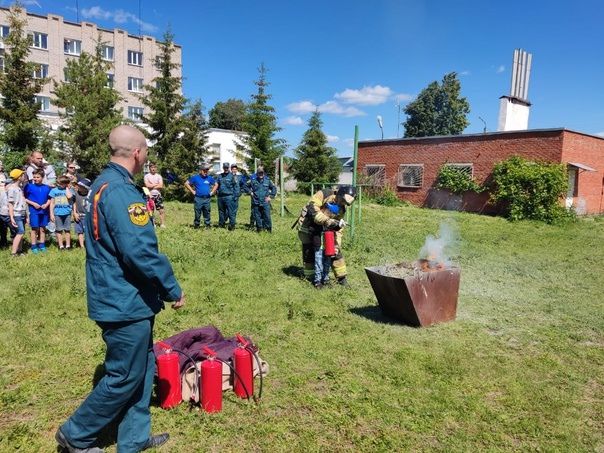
37,197
61,200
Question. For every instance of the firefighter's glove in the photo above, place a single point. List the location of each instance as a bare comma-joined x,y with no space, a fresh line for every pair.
333,225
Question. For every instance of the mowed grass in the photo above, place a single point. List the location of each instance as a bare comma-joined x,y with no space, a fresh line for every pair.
522,367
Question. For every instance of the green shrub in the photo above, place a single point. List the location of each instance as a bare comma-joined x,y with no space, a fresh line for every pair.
386,197
531,189
455,180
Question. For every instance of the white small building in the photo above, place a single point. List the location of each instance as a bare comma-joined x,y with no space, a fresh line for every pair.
226,146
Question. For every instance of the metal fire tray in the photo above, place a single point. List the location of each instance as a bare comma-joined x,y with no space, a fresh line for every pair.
419,299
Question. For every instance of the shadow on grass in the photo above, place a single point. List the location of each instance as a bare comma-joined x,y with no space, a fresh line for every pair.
373,313
293,271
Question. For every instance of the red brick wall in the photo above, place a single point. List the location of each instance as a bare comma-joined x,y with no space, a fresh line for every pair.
587,150
483,151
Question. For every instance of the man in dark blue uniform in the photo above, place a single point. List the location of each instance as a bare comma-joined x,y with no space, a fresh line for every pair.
201,187
262,189
127,280
238,177
227,190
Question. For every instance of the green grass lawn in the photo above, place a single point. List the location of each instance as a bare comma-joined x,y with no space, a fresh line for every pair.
522,367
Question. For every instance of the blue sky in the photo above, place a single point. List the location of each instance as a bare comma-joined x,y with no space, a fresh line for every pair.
354,59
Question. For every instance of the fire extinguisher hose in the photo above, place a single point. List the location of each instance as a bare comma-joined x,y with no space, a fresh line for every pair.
251,351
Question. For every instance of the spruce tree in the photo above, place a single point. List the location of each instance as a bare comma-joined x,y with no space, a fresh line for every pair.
316,161
89,111
261,125
438,110
21,127
165,103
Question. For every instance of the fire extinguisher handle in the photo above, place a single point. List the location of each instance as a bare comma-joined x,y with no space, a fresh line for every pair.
210,353
165,346
242,341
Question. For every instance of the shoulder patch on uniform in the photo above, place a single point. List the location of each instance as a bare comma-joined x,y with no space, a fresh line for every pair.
138,214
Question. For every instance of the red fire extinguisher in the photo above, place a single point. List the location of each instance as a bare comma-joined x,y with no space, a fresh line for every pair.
211,382
244,370
329,243
168,370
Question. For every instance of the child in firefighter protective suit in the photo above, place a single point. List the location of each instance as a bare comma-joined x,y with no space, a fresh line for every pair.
324,211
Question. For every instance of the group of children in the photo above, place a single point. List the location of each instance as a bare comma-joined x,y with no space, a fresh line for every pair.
45,208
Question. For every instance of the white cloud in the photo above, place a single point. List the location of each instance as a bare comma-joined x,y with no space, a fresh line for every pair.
293,121
601,134
349,142
500,69
333,107
333,138
119,16
336,108
302,107
403,97
365,96
464,73
31,3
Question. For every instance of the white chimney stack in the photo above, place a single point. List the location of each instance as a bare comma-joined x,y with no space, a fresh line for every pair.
514,109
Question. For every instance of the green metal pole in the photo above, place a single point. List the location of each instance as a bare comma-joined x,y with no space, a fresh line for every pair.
312,189
360,202
281,186
354,175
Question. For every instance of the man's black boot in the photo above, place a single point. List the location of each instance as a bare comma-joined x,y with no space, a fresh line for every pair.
65,445
156,441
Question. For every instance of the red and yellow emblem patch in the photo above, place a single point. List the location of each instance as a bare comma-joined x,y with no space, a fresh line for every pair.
138,214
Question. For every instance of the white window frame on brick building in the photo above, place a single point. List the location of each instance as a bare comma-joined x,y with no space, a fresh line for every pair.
38,40
135,84
4,31
410,176
135,58
40,71
107,53
135,113
72,47
44,103
375,174
465,168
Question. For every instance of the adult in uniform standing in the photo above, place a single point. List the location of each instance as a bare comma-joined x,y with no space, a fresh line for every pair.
227,189
238,177
262,189
127,280
201,186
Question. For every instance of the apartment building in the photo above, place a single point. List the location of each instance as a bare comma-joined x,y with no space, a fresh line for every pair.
54,41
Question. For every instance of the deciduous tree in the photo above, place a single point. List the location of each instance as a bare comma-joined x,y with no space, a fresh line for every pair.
438,110
228,115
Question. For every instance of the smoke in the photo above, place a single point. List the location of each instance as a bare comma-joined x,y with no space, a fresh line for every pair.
442,248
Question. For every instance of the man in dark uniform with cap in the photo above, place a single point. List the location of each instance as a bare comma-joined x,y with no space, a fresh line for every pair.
227,189
127,282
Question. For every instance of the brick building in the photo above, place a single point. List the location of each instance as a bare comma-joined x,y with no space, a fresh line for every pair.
55,40
411,165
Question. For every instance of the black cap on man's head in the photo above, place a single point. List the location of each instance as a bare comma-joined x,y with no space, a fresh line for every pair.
225,165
